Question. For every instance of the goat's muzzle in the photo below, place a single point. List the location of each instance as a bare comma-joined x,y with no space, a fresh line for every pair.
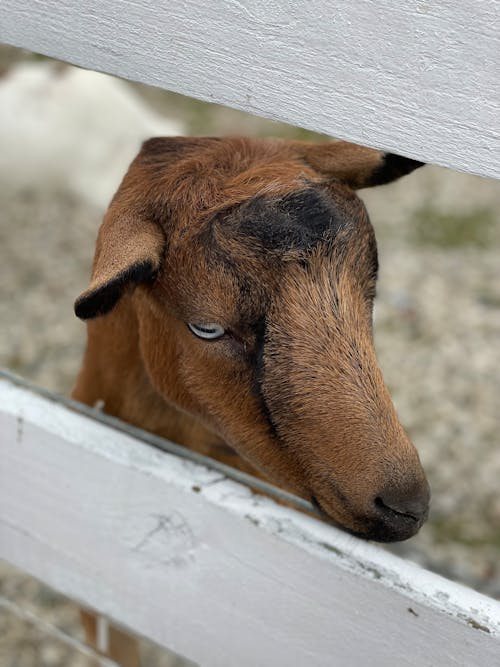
395,514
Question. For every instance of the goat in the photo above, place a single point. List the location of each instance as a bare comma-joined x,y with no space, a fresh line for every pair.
230,310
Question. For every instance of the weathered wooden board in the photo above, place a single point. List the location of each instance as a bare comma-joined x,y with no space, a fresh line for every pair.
416,77
200,564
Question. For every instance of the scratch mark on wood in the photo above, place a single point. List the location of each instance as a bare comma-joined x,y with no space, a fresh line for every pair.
215,481
170,541
252,519
477,626
20,428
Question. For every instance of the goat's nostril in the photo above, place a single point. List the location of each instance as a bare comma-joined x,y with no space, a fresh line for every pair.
412,506
387,509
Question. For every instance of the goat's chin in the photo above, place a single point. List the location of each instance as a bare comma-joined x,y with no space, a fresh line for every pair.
373,530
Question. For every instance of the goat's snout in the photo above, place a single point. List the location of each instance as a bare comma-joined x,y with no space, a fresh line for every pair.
389,505
394,514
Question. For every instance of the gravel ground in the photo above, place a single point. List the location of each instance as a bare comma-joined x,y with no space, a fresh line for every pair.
437,332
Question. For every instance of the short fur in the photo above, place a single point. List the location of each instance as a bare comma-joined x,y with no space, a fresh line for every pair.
268,239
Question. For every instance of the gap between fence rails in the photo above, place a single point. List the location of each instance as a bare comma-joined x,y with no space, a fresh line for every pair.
52,631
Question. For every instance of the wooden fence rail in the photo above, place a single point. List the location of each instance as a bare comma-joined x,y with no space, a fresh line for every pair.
199,563
416,77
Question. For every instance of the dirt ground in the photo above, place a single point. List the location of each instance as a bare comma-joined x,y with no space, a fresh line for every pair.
437,332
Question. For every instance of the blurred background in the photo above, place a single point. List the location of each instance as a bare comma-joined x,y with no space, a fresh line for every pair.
66,138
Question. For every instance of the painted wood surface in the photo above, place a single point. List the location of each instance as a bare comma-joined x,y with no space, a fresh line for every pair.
416,77
202,565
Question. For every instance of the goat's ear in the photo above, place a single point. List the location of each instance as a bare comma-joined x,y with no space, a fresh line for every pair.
128,252
130,247
356,166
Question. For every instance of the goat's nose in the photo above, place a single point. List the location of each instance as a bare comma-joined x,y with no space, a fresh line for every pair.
401,512
414,505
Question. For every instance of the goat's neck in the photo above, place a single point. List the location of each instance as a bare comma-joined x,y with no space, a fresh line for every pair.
113,376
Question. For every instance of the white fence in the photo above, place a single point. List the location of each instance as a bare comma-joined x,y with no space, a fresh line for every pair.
163,544
417,77
197,562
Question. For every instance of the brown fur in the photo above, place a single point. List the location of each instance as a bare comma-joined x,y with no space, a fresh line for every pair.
206,230
321,423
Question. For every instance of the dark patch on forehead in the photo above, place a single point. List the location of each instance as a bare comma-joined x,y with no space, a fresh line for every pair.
298,221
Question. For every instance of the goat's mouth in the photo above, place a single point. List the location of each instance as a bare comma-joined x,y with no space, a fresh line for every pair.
382,525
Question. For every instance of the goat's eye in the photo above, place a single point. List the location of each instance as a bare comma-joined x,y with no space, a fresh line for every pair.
208,331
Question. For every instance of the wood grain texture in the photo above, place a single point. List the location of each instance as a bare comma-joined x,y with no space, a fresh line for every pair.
200,564
419,78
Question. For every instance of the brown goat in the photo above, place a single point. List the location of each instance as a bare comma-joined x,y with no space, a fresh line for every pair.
230,310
